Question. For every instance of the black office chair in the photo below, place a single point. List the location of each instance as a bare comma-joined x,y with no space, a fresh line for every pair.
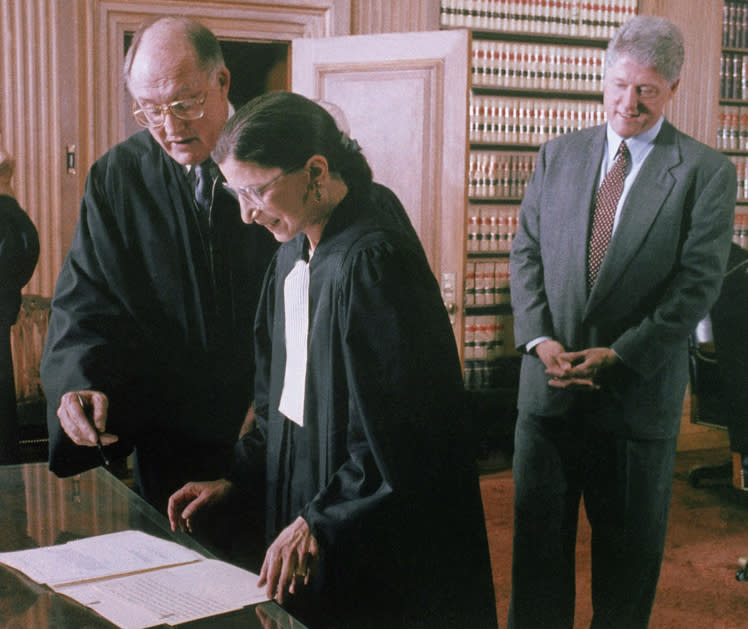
719,375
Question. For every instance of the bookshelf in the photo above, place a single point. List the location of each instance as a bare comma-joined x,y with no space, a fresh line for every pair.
536,72
732,129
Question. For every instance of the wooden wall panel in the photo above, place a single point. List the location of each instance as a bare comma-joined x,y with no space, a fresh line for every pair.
30,121
695,105
394,16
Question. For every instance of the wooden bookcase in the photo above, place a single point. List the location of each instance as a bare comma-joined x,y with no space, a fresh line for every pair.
732,130
536,72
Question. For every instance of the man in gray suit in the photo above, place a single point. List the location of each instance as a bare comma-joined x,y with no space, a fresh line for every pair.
605,348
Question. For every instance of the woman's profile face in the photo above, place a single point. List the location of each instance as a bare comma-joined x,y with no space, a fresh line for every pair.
282,202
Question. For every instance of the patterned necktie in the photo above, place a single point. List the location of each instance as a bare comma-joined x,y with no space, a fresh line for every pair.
204,192
606,202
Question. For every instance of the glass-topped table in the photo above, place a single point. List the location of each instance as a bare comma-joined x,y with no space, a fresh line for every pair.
39,509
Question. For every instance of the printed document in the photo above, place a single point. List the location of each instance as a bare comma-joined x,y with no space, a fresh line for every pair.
136,580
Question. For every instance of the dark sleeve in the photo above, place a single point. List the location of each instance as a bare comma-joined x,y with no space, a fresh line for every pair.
19,252
389,205
248,463
400,370
89,328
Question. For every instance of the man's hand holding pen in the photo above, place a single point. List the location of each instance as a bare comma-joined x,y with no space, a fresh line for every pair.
83,417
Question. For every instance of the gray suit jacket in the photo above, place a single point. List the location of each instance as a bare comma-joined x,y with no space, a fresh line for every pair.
660,276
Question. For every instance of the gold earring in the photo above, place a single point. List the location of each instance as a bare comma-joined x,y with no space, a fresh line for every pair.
317,193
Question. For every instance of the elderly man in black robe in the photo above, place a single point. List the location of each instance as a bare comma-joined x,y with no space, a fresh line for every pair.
150,335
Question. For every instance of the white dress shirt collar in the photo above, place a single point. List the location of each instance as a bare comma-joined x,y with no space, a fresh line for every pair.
638,145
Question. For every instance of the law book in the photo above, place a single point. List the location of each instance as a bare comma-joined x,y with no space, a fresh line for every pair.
136,580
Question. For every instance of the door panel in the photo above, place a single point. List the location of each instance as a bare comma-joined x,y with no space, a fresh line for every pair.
405,99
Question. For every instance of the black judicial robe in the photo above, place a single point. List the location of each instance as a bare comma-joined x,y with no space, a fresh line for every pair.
19,252
380,470
159,317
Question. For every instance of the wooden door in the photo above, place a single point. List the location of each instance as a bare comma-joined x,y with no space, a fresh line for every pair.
404,96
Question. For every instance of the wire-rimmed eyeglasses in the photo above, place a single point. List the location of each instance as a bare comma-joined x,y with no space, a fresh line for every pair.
154,116
253,194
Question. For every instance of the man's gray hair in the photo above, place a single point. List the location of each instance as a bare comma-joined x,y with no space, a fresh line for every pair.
653,42
203,41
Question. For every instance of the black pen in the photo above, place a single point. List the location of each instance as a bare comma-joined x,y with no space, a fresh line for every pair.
96,430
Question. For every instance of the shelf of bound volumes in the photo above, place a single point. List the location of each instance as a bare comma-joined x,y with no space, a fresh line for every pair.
732,128
569,18
733,75
488,340
528,121
498,175
487,283
533,66
734,24
491,229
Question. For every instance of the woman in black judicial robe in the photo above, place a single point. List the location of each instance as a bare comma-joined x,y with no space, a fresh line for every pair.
373,509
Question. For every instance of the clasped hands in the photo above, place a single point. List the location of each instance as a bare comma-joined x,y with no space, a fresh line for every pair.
574,370
290,561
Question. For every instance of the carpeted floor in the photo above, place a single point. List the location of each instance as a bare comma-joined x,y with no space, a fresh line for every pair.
707,533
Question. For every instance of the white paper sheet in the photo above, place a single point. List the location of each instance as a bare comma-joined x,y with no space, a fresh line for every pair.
137,581
102,555
170,595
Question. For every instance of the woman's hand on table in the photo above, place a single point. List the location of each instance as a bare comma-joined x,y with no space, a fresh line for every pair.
290,561
187,501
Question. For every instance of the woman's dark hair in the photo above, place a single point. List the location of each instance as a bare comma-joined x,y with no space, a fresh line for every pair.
283,130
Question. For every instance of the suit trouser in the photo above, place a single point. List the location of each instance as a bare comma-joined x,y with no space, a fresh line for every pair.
626,486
